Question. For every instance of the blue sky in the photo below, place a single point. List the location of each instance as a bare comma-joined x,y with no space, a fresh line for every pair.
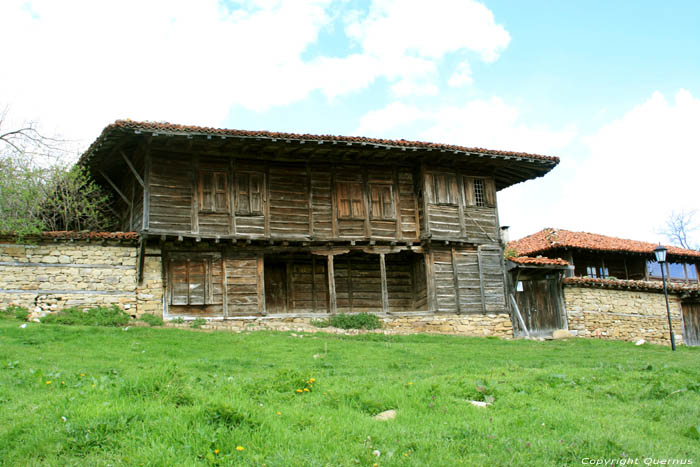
612,88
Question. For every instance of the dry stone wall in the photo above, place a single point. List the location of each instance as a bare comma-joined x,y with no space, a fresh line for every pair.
50,276
622,314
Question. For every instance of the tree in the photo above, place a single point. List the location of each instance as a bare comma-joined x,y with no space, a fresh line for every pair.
680,229
39,192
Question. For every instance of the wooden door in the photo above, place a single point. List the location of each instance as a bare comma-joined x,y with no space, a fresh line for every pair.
691,323
275,287
539,306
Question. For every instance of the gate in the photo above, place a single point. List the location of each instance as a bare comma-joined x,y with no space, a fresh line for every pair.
691,323
539,305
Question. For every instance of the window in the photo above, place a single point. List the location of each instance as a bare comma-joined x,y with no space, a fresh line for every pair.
213,194
674,271
195,281
654,269
350,203
382,199
479,192
692,272
442,189
249,193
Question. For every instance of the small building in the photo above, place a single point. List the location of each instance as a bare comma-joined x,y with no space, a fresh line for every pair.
238,224
612,286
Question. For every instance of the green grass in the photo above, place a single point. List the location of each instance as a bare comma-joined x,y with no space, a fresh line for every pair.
174,396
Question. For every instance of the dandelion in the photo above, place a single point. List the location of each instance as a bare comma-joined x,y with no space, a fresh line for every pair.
48,382
63,382
82,374
299,390
239,448
216,451
279,413
410,383
306,389
312,380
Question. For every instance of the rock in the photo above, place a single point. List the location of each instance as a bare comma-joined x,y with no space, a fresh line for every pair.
479,404
561,334
386,415
49,260
640,342
22,326
63,259
376,452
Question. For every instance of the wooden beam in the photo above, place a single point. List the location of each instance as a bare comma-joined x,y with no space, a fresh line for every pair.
334,205
224,279
196,194
146,187
461,202
397,204
481,279
142,253
455,277
385,290
126,200
430,281
365,200
426,213
133,169
310,199
262,309
332,305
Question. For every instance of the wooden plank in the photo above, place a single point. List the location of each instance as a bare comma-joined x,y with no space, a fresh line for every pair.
519,316
313,283
423,187
196,194
332,305
310,199
147,162
224,281
397,203
385,291
133,169
231,196
334,205
455,277
365,201
349,281
430,281
460,205
261,284
266,200
119,192
481,279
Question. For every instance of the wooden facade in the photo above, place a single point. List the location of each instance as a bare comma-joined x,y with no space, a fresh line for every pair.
278,225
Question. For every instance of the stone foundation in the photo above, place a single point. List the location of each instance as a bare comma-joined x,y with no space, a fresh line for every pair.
465,325
49,276
622,314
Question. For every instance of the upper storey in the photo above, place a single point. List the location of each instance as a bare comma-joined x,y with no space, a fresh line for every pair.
209,183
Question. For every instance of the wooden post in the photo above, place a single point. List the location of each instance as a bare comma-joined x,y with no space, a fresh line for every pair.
131,208
195,194
426,213
385,291
224,281
232,196
331,286
349,281
430,282
266,198
146,188
261,285
455,277
365,201
142,253
310,199
313,283
481,279
334,205
397,204
460,205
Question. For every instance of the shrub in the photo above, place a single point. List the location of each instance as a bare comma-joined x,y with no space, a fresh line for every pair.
98,316
16,311
343,321
177,320
151,319
198,323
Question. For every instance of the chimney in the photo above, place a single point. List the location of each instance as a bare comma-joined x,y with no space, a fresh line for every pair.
505,235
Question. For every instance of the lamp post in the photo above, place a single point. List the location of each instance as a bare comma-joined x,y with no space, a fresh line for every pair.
660,253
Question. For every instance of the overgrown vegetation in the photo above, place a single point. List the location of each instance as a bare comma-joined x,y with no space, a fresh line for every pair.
73,395
151,319
15,311
97,316
198,323
40,189
354,321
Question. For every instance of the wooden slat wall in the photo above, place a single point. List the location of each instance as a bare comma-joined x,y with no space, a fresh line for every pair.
400,282
305,294
350,228
481,224
420,285
444,221
171,192
241,284
289,200
321,200
469,281
446,297
251,225
407,204
358,283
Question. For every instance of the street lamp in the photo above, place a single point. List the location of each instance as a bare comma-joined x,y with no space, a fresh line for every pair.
660,253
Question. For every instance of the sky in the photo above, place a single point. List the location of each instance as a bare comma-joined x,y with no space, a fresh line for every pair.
612,88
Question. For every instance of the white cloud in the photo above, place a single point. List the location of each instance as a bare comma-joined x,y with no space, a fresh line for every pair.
489,123
77,65
462,76
639,168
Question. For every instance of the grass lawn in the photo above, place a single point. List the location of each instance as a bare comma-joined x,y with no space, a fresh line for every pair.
74,395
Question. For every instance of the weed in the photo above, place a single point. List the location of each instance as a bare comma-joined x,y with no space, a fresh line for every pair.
177,320
98,316
16,311
151,319
354,321
198,323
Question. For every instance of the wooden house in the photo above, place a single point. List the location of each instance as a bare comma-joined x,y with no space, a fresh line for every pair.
251,223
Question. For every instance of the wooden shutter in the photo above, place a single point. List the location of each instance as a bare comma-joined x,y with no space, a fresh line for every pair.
469,191
490,192
452,189
197,282
220,192
382,201
242,193
256,191
178,283
350,202
429,189
343,200
358,210
206,185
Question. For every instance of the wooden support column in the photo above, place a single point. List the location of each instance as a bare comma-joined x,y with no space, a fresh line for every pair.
455,277
397,204
365,200
332,305
261,285
385,291
334,205
146,187
460,206
131,208
195,194
481,279
310,199
142,254
232,196
430,282
224,281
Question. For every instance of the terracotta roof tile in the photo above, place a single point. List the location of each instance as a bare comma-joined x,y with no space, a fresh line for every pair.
192,129
539,260
552,239
651,286
82,235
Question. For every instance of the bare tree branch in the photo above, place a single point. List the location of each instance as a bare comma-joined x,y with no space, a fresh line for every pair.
680,229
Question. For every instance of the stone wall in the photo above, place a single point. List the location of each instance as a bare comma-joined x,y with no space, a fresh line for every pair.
627,315
407,323
50,276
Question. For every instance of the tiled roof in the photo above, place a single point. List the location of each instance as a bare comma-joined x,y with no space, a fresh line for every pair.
171,128
82,235
539,260
552,239
650,286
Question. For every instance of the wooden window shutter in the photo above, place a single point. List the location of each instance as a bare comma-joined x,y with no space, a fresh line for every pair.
357,203
343,200
452,189
179,288
206,184
490,192
429,189
388,202
220,192
382,201
242,193
256,191
469,191
197,282
376,202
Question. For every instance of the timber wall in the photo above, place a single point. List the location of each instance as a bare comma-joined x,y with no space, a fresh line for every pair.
622,314
51,276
